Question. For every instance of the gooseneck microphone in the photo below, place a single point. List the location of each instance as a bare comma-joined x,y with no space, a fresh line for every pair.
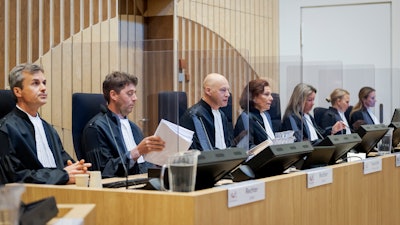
205,131
381,113
104,110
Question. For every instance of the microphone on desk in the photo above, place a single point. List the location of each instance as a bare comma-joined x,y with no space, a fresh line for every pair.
104,110
381,113
205,131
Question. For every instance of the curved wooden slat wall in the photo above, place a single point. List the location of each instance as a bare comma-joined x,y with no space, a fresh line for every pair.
250,27
78,42
236,38
65,37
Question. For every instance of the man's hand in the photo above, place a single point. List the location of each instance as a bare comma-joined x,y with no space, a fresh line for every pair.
79,167
148,144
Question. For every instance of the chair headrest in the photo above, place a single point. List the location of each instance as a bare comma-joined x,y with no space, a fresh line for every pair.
7,102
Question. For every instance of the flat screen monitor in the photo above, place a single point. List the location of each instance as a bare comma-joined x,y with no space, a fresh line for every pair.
273,160
370,135
212,166
396,133
343,143
320,156
396,115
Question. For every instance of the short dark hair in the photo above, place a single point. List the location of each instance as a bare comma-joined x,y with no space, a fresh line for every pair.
117,81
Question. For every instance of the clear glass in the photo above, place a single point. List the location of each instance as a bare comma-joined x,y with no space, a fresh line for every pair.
10,201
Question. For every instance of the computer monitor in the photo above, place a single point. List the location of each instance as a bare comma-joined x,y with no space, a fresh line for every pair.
396,115
370,135
320,156
273,160
343,143
396,133
212,166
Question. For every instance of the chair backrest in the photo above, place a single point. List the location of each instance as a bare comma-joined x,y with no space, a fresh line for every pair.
171,105
319,114
7,102
84,107
275,112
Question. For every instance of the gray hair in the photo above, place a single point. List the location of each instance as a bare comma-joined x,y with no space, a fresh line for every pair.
16,77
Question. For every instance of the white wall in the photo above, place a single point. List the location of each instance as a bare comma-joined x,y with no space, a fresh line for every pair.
344,45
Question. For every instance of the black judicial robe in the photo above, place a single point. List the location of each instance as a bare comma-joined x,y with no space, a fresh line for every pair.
202,111
358,118
100,149
300,128
330,118
19,155
256,128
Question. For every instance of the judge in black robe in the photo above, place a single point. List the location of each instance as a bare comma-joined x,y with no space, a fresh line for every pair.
103,140
19,134
200,117
28,156
201,112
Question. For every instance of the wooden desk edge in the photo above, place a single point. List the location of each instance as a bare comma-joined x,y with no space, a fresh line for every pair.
86,212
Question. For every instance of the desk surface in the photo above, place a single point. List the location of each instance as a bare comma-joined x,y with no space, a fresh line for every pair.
353,198
84,213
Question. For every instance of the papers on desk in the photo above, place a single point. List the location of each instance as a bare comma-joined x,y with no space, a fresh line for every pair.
257,149
177,139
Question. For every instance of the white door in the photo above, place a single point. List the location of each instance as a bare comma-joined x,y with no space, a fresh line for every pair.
348,46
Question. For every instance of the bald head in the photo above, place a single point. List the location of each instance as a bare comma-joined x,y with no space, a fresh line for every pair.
213,79
216,90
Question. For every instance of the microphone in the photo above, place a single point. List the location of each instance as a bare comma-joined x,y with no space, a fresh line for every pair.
104,110
381,113
204,129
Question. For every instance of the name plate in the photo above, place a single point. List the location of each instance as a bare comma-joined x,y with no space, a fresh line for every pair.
372,165
353,157
245,192
70,221
397,159
319,176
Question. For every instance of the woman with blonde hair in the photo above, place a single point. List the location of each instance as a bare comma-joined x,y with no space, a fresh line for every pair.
340,101
298,119
361,112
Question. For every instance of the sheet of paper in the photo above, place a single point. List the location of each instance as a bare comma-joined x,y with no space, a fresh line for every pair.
177,139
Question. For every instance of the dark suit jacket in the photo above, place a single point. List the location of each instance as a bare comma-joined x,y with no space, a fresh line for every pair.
300,127
20,155
203,111
360,115
255,129
330,117
100,149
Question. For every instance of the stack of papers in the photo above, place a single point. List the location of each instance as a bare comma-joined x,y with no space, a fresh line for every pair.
257,149
177,139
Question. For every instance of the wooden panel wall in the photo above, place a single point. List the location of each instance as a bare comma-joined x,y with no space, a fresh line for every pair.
236,38
78,42
64,36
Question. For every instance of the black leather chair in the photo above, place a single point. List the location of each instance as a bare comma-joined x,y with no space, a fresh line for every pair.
84,107
319,114
171,105
275,112
7,102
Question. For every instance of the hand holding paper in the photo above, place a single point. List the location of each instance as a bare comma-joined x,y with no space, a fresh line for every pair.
177,139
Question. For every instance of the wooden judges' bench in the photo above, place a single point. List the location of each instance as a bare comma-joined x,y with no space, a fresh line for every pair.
353,199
